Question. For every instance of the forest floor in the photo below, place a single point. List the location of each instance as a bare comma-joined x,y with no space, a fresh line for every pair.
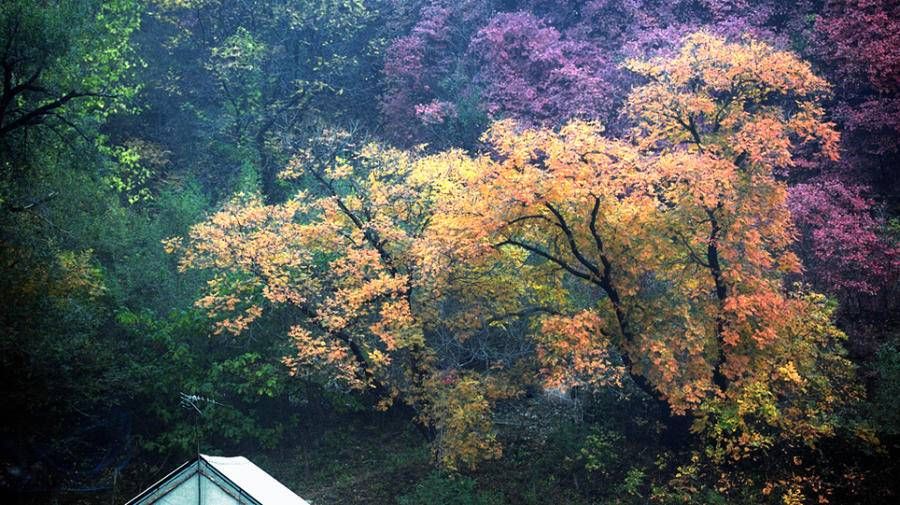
351,464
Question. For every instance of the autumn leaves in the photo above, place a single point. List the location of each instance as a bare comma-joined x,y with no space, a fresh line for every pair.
661,257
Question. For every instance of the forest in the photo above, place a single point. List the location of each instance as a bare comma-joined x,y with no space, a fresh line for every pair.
458,252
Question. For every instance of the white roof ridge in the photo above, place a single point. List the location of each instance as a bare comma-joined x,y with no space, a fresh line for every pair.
226,460
253,480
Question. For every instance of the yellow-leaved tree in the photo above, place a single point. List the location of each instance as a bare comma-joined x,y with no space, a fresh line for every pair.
340,260
664,257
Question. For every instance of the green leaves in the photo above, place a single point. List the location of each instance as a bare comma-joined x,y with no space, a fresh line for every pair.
68,63
449,490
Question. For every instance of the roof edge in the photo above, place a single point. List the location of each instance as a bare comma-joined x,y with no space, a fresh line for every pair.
156,485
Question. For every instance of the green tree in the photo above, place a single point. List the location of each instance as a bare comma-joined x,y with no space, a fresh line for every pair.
66,67
249,77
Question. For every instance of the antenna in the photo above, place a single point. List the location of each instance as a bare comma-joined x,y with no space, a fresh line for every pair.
195,402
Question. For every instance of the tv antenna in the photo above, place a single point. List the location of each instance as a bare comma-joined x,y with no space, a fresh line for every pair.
200,405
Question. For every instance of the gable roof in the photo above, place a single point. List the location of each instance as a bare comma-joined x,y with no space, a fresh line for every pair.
254,480
237,477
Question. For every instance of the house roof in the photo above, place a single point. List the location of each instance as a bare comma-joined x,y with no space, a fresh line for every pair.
254,480
249,482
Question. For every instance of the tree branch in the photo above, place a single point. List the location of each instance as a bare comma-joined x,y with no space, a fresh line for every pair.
29,206
37,115
570,238
715,269
544,254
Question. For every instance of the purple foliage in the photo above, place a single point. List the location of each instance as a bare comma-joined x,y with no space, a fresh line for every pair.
552,60
418,64
435,112
528,71
840,236
860,41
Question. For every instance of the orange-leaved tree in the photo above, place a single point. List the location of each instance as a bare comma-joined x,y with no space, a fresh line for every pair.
664,257
339,261
725,123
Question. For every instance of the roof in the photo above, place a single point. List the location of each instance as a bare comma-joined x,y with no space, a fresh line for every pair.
254,480
236,480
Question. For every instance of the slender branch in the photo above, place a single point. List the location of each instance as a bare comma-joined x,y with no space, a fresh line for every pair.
29,206
36,116
522,313
544,254
369,234
526,218
10,91
573,246
71,125
693,254
358,354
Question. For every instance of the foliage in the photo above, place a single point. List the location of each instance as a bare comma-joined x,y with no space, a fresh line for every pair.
611,296
529,72
527,59
67,67
424,85
884,400
343,263
244,79
842,237
664,260
860,40
599,451
244,389
606,213
682,239
452,490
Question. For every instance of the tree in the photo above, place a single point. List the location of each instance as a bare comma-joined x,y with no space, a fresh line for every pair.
840,237
340,264
65,64
523,60
841,210
859,41
664,259
245,78
427,93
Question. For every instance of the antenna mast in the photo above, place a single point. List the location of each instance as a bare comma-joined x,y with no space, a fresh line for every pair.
195,402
